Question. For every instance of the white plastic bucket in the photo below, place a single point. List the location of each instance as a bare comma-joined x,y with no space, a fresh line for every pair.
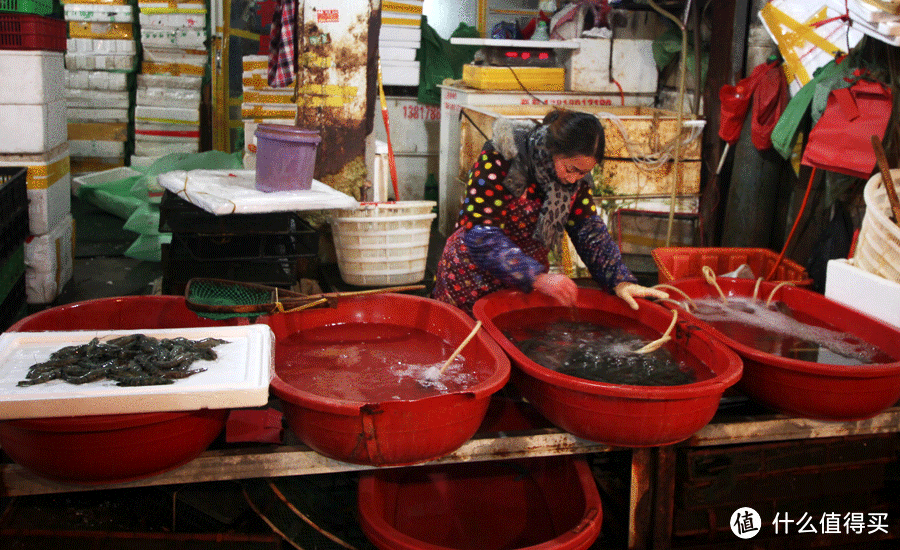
383,244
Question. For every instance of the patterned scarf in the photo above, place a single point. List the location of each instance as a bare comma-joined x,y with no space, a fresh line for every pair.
534,163
282,45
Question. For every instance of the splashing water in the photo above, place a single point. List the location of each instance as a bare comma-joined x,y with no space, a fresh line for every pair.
776,330
371,363
602,354
430,376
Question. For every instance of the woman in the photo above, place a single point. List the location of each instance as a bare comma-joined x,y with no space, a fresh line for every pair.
529,184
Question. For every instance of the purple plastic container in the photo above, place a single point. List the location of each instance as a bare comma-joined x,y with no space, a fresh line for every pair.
285,157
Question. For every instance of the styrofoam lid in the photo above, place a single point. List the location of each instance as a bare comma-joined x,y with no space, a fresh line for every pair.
238,377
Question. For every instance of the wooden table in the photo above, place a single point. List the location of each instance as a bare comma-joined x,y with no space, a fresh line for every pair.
652,470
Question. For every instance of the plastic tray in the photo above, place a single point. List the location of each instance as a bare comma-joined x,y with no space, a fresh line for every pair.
239,377
32,32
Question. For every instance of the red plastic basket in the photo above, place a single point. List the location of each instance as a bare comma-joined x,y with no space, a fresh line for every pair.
681,262
32,32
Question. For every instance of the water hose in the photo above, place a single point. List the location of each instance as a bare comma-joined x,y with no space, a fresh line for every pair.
812,176
387,129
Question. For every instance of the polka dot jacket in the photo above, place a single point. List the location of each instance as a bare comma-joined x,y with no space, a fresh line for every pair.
493,246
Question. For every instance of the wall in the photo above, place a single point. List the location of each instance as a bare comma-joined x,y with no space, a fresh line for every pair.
445,15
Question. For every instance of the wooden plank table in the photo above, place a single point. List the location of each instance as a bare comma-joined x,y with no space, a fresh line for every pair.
652,471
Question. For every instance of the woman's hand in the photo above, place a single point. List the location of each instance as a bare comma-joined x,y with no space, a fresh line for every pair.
628,291
558,286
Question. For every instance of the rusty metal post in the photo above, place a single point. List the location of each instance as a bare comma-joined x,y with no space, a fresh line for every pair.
336,49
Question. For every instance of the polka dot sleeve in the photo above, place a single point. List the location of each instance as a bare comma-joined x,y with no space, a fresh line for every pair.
486,199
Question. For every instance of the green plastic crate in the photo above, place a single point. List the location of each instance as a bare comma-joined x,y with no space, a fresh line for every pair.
39,7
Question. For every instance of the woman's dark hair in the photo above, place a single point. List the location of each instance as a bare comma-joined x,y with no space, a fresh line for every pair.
574,133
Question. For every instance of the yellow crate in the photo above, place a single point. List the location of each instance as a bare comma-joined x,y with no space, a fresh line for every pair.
533,79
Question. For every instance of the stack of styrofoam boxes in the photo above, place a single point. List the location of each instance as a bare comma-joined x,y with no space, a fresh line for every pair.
167,104
101,54
401,36
33,136
262,104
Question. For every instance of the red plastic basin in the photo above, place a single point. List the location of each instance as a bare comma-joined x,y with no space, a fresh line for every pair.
614,414
535,504
121,447
805,388
391,432
110,448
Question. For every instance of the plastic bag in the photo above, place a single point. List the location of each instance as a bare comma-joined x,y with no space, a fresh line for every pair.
841,141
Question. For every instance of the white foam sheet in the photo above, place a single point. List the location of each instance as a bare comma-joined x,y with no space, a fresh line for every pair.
223,192
238,377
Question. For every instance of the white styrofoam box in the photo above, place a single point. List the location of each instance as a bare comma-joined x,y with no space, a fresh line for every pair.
161,148
30,77
97,99
404,6
172,20
399,19
49,262
104,176
234,192
250,131
391,42
190,6
397,54
194,39
79,114
252,62
239,376
32,128
153,131
169,133
96,148
105,13
259,111
101,46
633,66
407,33
171,97
97,80
863,291
400,73
142,161
99,62
187,82
147,113
49,181
181,57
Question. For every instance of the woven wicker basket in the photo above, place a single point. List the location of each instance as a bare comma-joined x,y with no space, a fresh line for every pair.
878,245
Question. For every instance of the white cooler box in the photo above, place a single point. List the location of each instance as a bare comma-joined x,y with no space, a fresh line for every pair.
49,261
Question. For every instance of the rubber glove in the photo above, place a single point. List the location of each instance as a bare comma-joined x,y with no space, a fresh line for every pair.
628,291
558,286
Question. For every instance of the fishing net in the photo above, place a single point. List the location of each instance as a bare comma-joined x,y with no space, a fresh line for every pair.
222,296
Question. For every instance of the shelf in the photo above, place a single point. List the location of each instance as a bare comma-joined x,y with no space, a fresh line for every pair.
510,43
